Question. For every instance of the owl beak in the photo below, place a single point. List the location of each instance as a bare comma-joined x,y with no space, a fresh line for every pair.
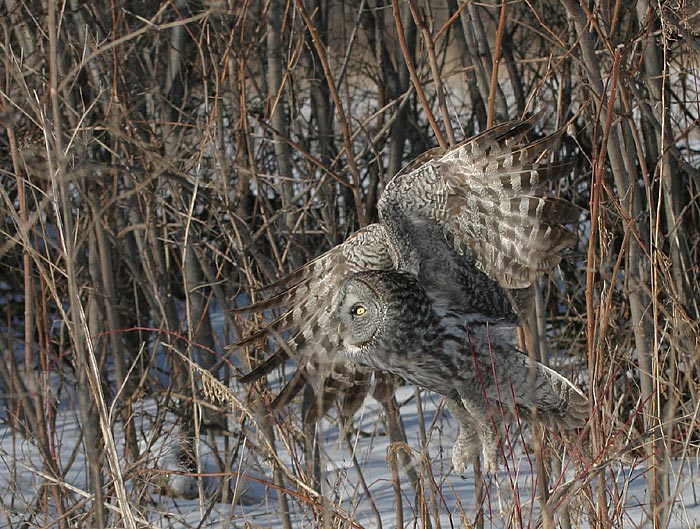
340,328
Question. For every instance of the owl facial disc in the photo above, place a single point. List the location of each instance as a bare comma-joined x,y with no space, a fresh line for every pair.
358,315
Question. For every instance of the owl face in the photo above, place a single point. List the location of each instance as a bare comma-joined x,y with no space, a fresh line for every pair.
358,314
385,320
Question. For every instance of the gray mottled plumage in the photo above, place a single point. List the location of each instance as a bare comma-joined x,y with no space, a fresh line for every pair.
386,320
462,234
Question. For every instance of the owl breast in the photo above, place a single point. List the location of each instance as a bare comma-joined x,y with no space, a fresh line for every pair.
386,321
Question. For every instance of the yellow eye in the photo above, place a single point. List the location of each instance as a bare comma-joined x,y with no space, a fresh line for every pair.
358,310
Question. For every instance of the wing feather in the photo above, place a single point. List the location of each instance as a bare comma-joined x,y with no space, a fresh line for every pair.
271,363
306,303
489,194
299,379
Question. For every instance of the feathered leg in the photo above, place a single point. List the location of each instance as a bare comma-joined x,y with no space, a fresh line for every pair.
474,436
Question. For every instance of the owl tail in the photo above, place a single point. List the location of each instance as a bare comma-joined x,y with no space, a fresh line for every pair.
555,397
571,405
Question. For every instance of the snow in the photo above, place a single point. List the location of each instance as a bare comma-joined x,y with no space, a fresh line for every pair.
511,496
359,482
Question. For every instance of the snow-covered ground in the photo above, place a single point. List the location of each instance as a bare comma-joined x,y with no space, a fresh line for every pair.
449,500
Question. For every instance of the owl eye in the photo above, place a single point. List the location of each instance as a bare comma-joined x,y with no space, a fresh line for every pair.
358,310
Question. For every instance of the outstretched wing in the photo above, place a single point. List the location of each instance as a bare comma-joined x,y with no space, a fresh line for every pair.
489,198
303,330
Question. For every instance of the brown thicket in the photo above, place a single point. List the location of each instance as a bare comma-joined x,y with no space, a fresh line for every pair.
159,160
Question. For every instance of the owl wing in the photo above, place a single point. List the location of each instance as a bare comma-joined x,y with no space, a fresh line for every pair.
488,198
303,331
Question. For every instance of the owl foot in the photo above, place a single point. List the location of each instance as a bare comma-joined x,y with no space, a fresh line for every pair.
489,455
474,436
469,444
465,447
463,452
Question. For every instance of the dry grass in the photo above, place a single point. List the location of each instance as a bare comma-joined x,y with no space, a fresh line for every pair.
160,160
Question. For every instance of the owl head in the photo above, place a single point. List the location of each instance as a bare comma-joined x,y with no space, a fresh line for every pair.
377,311
360,312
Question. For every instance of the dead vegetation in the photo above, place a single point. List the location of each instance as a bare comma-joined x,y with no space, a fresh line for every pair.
161,159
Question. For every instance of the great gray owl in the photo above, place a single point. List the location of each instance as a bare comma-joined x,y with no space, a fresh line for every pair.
433,292
386,320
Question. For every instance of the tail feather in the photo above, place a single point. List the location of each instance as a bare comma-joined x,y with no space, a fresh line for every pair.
569,405
555,397
510,377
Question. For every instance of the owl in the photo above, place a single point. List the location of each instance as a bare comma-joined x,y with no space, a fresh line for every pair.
386,320
434,291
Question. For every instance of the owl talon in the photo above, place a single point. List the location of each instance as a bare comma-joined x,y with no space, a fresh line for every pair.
460,457
489,451
462,454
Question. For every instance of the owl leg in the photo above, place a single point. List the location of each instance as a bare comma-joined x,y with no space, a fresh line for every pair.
467,443
474,434
485,431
